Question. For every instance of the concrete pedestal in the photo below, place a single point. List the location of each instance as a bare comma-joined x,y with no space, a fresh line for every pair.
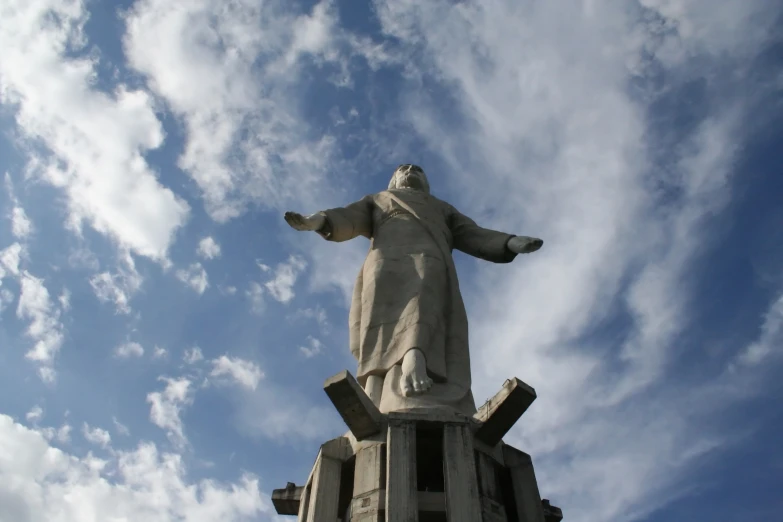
420,465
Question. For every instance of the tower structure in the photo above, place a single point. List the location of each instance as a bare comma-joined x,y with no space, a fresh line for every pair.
420,464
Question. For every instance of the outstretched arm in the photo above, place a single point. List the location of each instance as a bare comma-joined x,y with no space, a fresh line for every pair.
487,244
337,224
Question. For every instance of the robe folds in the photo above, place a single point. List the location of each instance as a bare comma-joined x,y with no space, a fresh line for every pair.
407,293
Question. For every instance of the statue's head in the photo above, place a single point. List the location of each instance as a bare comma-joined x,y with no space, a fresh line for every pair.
410,176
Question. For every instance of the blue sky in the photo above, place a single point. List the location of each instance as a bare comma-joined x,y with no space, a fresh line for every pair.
164,336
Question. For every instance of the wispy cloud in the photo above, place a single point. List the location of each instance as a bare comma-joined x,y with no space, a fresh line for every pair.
281,286
97,436
34,415
211,83
770,341
118,287
255,294
94,140
243,372
128,350
21,226
314,347
167,406
120,427
193,355
208,248
195,277
45,327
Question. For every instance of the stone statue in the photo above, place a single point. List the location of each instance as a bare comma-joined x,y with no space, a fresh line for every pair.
408,327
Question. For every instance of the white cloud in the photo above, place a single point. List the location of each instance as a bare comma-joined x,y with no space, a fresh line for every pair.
317,313
21,226
61,434
207,63
280,287
6,296
128,350
96,139
34,415
10,257
195,277
118,288
97,436
193,355
313,349
65,300
256,296
39,482
208,248
770,341
45,328
245,373
120,427
83,257
166,408
159,352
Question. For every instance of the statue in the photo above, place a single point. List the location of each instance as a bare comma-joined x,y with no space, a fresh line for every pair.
408,326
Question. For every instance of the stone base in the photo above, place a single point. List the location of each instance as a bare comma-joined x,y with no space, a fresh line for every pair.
420,465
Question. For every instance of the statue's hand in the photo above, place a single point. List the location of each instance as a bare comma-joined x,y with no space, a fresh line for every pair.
524,244
300,222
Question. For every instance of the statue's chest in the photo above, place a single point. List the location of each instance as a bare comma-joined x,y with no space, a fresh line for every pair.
392,215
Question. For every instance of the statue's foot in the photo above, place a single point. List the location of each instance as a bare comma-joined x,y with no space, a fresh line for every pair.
414,380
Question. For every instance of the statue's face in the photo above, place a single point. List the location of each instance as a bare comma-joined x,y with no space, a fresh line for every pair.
410,176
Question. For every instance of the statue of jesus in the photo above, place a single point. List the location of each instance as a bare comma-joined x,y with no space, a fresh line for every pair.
408,326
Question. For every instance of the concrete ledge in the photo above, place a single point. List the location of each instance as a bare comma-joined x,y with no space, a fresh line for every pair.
354,406
501,412
444,415
551,513
286,500
338,449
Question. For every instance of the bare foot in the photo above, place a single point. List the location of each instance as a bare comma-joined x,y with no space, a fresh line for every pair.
414,380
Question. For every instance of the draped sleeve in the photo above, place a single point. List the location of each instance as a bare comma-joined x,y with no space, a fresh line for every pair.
348,222
477,241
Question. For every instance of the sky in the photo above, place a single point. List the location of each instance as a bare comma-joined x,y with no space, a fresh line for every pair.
164,335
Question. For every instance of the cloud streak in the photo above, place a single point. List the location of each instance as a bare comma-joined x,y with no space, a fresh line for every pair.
94,140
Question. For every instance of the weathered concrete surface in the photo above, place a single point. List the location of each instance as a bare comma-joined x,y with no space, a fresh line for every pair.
551,513
462,493
338,448
286,500
368,484
325,492
354,406
524,484
503,410
401,498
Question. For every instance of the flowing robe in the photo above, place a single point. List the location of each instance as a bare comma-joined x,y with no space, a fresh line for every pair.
407,293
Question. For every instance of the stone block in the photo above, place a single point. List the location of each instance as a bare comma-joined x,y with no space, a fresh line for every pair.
354,406
503,410
459,466
401,497
286,500
524,485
